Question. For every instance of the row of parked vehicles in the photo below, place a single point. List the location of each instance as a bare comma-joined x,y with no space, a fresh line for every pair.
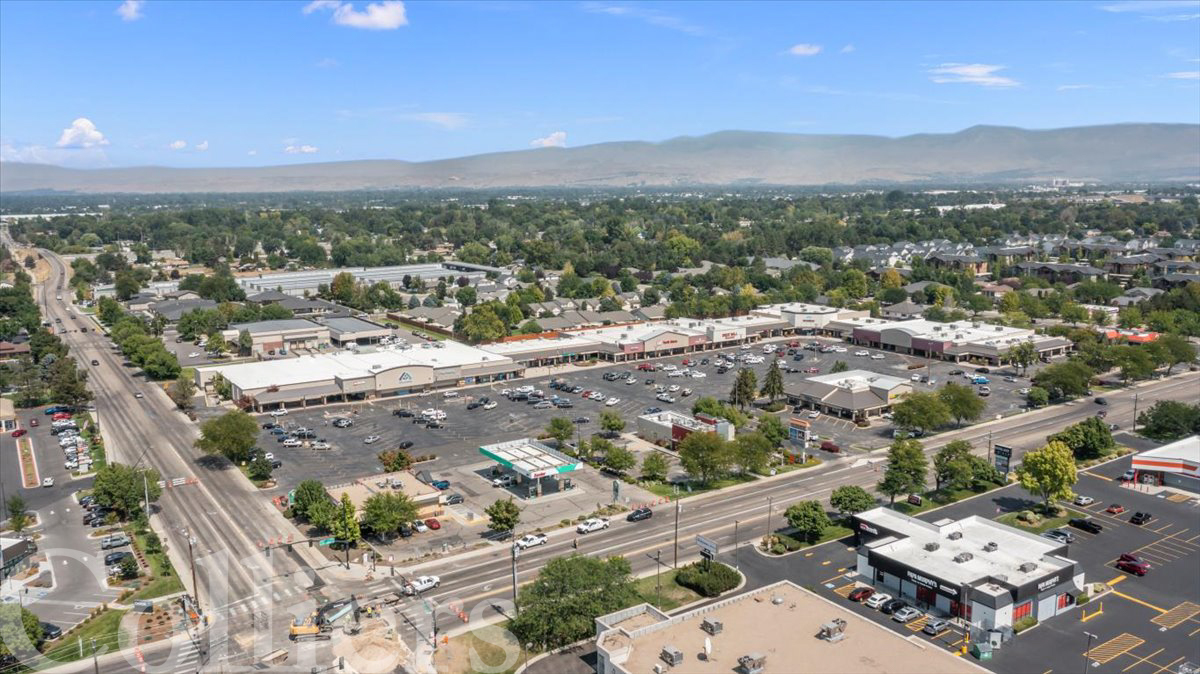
900,610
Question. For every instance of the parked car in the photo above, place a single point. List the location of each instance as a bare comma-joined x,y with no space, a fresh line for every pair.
503,481
1128,475
935,626
114,541
530,540
1115,509
1131,564
861,594
1101,401
19,432
402,412
281,412
114,558
905,614
1081,500
1060,535
491,404
442,485
51,631
433,524
48,482
453,499
419,527
405,444
829,446
1141,517
1085,524
893,605
343,422
291,442
422,584
639,514
592,524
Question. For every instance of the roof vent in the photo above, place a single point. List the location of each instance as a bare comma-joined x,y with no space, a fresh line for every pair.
990,546
1027,567
963,557
954,535
931,546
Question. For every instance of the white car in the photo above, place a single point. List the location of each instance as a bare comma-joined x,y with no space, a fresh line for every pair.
878,599
915,377
673,388
49,482
530,540
320,444
592,524
138,395
503,481
194,354
292,442
422,584
420,527
696,374
670,367
814,415
676,373
1081,500
281,412
505,391
664,397
840,349
769,348
745,347
612,401
862,353
877,356
630,381
1023,391
491,404
269,456
371,439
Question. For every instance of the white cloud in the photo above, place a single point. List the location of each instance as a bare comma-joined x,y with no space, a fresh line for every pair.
1075,87
81,134
384,15
847,49
805,50
971,73
1184,75
93,157
300,149
178,145
650,16
556,139
328,63
252,153
446,120
202,146
131,10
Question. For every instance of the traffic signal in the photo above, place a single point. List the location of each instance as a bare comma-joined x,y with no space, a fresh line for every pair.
341,662
289,547
268,552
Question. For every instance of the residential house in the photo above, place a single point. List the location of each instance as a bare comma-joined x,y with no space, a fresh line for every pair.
654,312
1127,265
1135,296
1058,272
903,311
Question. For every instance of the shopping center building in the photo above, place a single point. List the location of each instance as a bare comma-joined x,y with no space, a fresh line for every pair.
987,573
1173,465
854,394
956,341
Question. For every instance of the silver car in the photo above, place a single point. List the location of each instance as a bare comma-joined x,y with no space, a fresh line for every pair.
906,614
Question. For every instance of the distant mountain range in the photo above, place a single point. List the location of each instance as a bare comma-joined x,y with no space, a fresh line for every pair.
981,154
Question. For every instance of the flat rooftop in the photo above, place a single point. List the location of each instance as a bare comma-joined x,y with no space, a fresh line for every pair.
349,364
278,325
673,417
530,457
521,346
797,308
1187,449
781,622
858,379
1014,548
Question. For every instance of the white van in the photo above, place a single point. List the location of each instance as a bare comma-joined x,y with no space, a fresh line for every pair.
450,394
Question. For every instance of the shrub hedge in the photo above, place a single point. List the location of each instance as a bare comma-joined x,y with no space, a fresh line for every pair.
708,579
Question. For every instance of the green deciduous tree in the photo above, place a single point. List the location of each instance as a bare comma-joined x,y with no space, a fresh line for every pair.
384,512
1063,380
245,343
181,392
963,403
808,518
654,467
231,435
503,516
906,469
920,411
122,488
752,452
1169,420
772,386
394,460
1088,439
345,522
850,499
705,456
129,568
1048,472
1037,397
772,429
1172,349
952,467
561,605
322,514
1023,355
20,632
839,366
560,429
618,459
259,469
308,492
611,422
18,515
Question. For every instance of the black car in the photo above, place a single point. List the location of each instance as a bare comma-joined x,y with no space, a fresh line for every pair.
269,425
564,404
51,631
582,420
113,558
474,405
982,370
639,514
1088,525
1101,401
722,370
798,357
405,531
653,410
434,424
453,499
955,373
892,605
402,413
276,463
405,444
1140,518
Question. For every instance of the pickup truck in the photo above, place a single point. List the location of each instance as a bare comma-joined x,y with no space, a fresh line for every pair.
530,540
592,524
422,584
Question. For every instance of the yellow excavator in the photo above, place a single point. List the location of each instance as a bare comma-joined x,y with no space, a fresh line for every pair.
319,624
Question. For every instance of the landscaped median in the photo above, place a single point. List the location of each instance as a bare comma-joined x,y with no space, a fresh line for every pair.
29,471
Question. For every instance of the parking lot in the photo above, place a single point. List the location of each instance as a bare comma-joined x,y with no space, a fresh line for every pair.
1144,625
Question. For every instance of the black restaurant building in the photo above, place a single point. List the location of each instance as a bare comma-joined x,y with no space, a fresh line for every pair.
989,574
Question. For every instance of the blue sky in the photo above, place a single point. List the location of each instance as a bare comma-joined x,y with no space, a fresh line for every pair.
242,84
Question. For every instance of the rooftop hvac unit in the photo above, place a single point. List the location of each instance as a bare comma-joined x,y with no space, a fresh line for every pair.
752,663
963,557
712,626
1027,567
990,546
954,535
931,546
671,655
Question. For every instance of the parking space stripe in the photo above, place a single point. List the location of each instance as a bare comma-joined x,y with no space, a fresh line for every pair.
1167,666
1177,616
1137,660
1113,648
845,590
918,624
1139,601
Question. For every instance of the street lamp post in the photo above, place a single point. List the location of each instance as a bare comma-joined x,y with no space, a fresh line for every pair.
515,553
1135,403
735,545
95,660
675,564
770,501
191,540
1087,656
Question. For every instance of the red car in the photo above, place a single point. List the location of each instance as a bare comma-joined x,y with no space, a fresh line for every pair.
830,447
1115,509
1132,564
33,422
861,594
19,432
60,416
433,524
586,394
646,367
812,370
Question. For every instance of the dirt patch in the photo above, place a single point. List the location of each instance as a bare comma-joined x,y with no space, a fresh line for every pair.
492,646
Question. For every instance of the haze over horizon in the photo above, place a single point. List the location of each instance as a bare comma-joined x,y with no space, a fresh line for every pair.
266,84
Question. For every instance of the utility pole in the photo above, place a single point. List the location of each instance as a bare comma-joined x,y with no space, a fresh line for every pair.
735,545
675,564
146,494
515,554
770,500
1135,402
657,572
990,462
192,563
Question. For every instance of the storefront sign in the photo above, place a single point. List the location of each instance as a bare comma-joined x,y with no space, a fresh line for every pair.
729,335
1047,584
1003,457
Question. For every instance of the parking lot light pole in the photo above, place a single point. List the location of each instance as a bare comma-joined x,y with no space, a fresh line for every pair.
515,553
1087,656
675,564
191,540
735,545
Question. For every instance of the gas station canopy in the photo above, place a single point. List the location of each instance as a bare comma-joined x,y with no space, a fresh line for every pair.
530,458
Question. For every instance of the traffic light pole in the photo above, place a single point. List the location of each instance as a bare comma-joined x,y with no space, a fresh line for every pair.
515,554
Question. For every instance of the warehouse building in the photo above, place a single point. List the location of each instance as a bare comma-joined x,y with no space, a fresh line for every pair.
1174,465
308,282
371,372
280,336
854,394
989,574
348,330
